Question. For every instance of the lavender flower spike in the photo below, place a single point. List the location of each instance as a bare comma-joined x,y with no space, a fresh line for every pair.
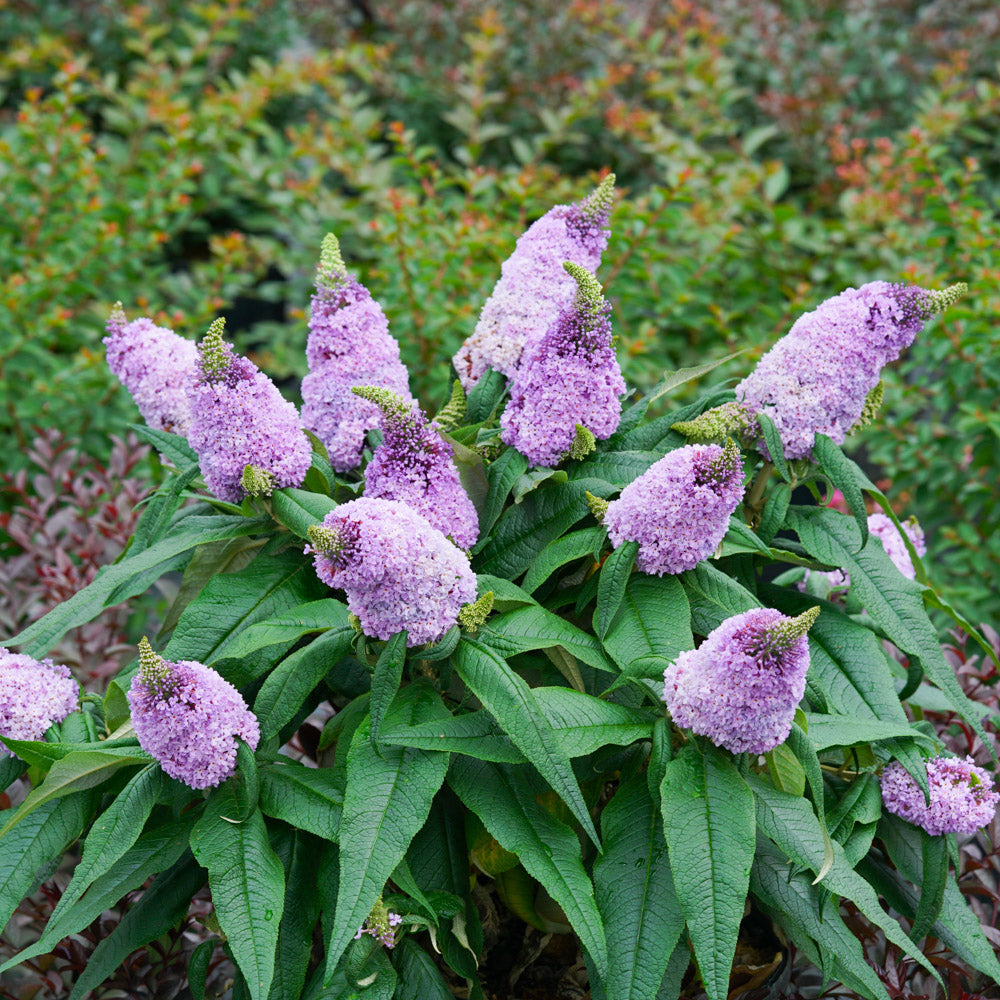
239,419
415,464
741,686
818,379
34,695
678,509
533,288
187,717
155,365
398,571
962,796
349,344
569,383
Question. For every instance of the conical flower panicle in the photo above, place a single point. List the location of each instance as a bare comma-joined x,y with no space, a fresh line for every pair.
34,695
349,344
962,797
678,509
398,571
534,288
415,465
569,378
188,717
818,378
741,686
239,419
155,366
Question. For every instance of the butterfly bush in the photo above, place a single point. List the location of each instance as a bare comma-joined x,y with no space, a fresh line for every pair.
465,747
415,464
155,366
398,571
534,289
239,419
741,686
566,392
349,344
881,527
34,695
678,510
188,717
962,798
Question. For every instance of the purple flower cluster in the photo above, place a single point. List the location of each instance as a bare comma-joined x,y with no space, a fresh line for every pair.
741,686
397,570
415,465
156,366
381,925
962,796
187,717
567,390
34,694
533,289
817,378
349,344
678,509
239,418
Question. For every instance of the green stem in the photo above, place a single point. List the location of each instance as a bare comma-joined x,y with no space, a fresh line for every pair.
753,505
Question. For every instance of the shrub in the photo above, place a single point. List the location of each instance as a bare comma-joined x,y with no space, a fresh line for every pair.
522,738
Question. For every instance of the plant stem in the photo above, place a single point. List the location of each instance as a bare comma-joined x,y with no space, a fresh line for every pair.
753,503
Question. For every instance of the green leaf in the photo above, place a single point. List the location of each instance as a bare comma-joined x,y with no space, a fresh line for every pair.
297,853
511,702
708,822
506,800
299,510
533,627
523,531
500,477
304,797
42,837
935,876
162,906
615,574
160,509
773,441
506,595
671,380
386,802
796,905
894,602
171,446
714,597
569,548
773,517
845,731
119,579
619,468
197,971
76,772
419,978
313,616
385,682
740,537
247,883
786,770
484,397
290,683
654,620
112,834
635,894
840,470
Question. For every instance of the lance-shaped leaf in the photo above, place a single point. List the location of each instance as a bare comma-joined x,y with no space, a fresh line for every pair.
304,797
386,802
714,597
611,586
635,894
569,548
313,616
247,883
298,510
654,620
506,800
500,477
512,703
708,822
419,978
841,472
385,681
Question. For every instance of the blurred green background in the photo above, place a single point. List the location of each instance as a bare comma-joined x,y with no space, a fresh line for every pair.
188,157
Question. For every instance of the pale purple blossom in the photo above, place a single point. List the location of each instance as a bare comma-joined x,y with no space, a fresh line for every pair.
678,510
817,378
568,386
741,686
534,289
962,796
381,925
398,571
34,695
239,418
155,366
349,344
188,717
416,465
